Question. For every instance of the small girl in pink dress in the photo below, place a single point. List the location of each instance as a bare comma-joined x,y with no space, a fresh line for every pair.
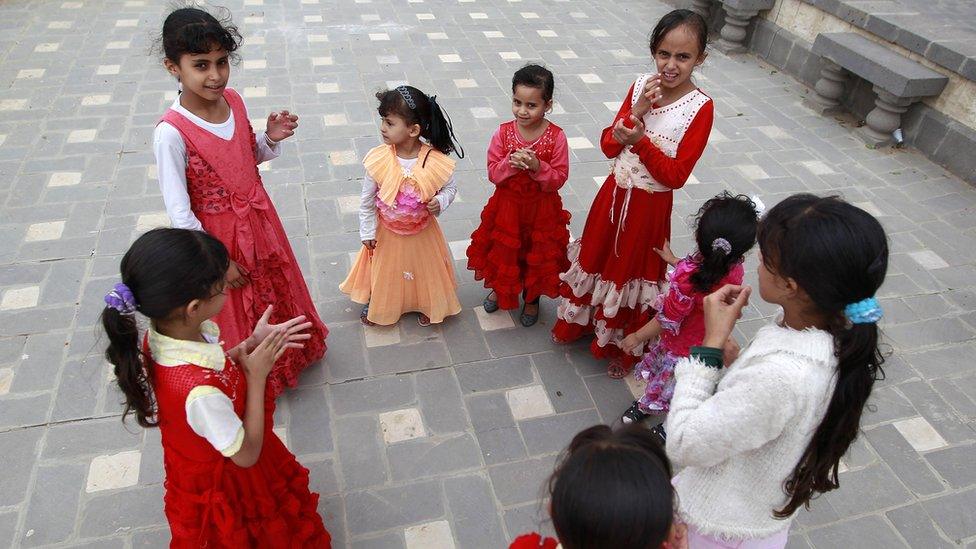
725,231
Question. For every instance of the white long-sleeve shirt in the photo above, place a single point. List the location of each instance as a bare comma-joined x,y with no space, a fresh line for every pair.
367,200
171,160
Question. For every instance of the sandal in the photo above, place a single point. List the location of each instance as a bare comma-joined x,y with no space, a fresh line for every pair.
363,316
616,369
423,320
528,320
490,305
659,434
634,414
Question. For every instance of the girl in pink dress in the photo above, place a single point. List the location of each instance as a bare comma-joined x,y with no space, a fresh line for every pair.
207,156
725,231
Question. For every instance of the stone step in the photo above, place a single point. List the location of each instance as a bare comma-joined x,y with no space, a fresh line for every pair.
886,69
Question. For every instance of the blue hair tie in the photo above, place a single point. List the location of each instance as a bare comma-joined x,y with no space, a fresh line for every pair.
866,311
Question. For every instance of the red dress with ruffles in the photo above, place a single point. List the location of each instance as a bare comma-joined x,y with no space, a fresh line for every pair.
521,242
211,502
229,199
615,275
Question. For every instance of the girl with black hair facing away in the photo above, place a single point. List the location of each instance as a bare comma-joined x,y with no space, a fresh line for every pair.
206,160
405,265
759,439
725,229
655,141
611,490
520,246
230,482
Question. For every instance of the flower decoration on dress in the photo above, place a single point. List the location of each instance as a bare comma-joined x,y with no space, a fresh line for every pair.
866,311
723,245
121,299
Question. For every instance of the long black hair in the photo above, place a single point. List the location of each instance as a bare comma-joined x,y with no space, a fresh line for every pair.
164,269
724,219
612,489
194,31
838,255
676,18
416,107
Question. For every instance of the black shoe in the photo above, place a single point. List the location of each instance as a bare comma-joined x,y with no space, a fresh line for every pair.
526,319
658,432
490,305
634,414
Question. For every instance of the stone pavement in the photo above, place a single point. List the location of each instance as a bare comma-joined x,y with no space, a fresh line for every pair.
438,437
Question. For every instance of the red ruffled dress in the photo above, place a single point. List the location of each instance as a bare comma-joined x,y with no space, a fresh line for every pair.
521,242
209,501
615,275
229,199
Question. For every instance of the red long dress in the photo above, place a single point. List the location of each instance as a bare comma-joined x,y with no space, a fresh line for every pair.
229,199
210,501
615,274
521,242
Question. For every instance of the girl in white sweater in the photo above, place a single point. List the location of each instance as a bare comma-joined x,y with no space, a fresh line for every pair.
759,439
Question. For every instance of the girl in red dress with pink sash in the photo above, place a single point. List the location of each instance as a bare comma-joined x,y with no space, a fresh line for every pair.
207,156
519,249
655,140
230,481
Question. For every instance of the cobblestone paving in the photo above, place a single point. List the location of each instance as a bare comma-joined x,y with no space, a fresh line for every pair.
436,437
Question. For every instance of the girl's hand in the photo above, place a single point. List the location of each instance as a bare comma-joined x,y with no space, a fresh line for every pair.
531,160
651,95
370,244
730,351
517,160
666,254
628,136
293,329
722,308
631,342
237,275
434,206
281,125
258,363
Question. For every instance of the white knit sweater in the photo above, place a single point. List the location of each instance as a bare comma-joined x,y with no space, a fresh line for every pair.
736,434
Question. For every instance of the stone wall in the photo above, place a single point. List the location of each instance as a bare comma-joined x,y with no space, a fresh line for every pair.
942,127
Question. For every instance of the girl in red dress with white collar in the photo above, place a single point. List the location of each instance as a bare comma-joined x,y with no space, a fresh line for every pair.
520,246
655,140
230,481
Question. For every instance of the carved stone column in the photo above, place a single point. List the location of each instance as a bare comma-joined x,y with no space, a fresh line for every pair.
733,33
884,118
829,89
702,7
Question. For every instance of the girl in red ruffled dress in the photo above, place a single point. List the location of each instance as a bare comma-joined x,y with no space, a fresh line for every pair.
206,158
520,246
230,482
655,140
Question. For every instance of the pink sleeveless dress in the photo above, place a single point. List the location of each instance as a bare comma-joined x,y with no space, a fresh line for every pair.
229,199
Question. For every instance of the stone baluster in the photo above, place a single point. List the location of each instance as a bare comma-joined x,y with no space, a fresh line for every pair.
829,89
885,118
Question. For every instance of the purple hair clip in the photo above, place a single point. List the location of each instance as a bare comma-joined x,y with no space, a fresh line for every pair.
720,244
121,299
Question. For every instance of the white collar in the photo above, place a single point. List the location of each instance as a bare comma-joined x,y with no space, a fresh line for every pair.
167,351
